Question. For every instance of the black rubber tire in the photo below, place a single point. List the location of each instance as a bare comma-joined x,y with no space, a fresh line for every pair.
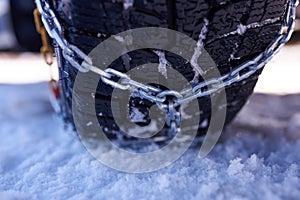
21,12
83,21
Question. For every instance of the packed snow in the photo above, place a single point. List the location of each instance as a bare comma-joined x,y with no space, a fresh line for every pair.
128,4
241,29
198,51
163,63
257,158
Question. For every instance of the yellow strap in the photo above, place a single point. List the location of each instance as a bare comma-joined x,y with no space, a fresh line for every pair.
46,50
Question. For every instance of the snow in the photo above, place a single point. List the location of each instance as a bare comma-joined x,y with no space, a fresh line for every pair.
257,158
137,116
128,4
41,160
163,63
198,51
241,29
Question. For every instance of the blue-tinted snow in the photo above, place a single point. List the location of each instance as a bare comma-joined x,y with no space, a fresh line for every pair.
257,159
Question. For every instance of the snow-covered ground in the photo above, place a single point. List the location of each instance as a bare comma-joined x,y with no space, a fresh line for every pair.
257,158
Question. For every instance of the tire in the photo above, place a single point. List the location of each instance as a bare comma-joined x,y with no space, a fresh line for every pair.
227,44
23,25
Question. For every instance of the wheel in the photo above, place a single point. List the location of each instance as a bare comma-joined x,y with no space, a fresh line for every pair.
232,32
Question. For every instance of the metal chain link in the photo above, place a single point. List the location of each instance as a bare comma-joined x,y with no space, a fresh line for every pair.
75,56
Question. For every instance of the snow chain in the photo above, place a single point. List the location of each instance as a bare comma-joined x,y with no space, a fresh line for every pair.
161,97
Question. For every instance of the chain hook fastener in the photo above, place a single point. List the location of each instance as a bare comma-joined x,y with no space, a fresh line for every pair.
46,50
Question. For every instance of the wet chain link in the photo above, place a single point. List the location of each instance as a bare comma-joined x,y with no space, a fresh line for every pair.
83,63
